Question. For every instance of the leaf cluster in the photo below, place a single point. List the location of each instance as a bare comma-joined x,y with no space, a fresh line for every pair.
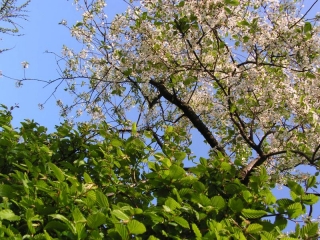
88,183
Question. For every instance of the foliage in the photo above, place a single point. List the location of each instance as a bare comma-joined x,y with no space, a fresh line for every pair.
10,12
89,183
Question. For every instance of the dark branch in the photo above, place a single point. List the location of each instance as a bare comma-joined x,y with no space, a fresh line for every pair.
190,114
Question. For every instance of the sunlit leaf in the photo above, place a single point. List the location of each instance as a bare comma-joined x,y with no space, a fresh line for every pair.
136,227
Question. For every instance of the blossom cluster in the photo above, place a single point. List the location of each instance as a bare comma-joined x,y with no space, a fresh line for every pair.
249,69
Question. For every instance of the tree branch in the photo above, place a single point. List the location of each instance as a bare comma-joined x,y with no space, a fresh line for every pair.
190,114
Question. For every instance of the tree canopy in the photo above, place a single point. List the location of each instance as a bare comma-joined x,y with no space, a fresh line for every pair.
10,12
90,183
245,74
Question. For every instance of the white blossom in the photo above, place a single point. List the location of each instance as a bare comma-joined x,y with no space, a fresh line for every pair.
25,64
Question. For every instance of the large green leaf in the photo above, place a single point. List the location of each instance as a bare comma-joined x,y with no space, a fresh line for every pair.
7,214
309,199
62,218
235,204
311,181
58,173
251,213
176,172
254,228
95,220
267,236
218,202
87,178
179,156
295,210
120,215
6,191
116,142
56,225
136,227
310,230
281,222
122,230
77,216
295,187
154,217
196,230
181,221
102,200
172,204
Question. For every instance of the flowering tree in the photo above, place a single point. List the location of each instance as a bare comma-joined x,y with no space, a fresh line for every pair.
245,74
10,12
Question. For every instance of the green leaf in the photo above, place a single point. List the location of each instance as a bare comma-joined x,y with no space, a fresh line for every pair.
179,156
254,228
202,199
120,215
66,221
307,27
153,238
155,218
47,236
232,2
78,24
116,143
289,238
196,230
56,225
46,150
95,220
284,202
251,213
226,166
309,199
181,4
218,202
136,227
295,187
247,196
134,128
6,191
311,181
309,230
281,222
235,204
172,204
176,172
122,230
148,134
77,215
267,236
199,186
295,210
243,23
87,178
102,200
181,221
9,215
58,173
